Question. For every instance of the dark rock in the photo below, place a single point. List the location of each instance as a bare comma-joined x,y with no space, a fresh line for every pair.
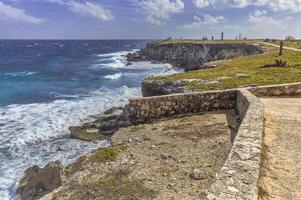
157,88
103,127
40,181
87,134
114,111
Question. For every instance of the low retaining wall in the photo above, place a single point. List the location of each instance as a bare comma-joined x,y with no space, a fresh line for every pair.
292,89
144,110
238,178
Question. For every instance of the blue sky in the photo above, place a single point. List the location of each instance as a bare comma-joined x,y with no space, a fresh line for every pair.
148,19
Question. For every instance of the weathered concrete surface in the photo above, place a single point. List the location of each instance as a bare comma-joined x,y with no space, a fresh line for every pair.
291,89
280,174
238,178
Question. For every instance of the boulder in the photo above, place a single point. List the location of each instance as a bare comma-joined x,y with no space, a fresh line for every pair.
40,181
87,134
197,175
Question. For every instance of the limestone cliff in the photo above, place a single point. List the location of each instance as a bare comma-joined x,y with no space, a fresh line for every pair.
192,56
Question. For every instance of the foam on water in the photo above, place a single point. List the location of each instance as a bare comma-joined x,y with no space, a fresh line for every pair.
114,76
16,74
38,133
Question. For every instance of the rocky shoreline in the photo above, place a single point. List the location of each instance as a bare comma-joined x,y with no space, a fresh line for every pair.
151,161
192,56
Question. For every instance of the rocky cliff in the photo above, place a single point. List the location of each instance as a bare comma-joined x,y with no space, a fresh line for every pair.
192,56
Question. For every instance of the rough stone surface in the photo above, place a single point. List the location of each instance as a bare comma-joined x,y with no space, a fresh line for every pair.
143,110
38,182
292,89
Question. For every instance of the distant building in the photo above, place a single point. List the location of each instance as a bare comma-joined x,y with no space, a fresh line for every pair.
289,37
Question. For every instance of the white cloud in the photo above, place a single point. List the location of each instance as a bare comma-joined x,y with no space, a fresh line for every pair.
159,11
12,13
90,9
202,3
205,20
86,9
260,19
276,5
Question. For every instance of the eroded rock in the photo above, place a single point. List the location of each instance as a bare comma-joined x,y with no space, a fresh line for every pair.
40,181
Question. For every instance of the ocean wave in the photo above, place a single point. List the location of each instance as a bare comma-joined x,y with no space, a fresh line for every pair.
113,77
112,60
20,74
38,133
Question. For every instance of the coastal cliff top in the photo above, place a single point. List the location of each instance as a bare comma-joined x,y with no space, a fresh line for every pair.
191,41
244,71
293,44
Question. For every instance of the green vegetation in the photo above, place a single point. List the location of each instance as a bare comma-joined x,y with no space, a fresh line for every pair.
104,155
115,186
176,41
252,69
294,44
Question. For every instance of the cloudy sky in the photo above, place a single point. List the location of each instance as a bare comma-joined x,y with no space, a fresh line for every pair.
148,19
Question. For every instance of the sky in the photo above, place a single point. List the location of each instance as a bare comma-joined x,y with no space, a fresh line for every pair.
148,19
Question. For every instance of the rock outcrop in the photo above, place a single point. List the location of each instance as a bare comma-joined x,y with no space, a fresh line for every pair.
157,88
103,127
40,181
192,56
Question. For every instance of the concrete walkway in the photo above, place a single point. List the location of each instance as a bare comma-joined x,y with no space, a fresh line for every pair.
280,174
284,47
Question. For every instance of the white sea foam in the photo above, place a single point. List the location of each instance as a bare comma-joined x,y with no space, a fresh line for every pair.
114,76
38,133
116,60
16,74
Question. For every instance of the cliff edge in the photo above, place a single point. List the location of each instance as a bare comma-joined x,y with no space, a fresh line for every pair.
192,55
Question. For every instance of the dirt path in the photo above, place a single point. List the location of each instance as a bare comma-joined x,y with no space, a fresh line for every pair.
275,45
281,159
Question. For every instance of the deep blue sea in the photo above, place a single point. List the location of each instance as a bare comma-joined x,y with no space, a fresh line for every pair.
47,86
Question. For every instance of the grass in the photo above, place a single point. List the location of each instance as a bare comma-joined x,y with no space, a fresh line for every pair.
251,66
115,186
104,155
177,41
295,44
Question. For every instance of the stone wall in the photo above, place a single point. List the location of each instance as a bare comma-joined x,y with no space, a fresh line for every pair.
292,89
238,178
144,110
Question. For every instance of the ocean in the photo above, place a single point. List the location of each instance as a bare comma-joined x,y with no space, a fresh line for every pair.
47,86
